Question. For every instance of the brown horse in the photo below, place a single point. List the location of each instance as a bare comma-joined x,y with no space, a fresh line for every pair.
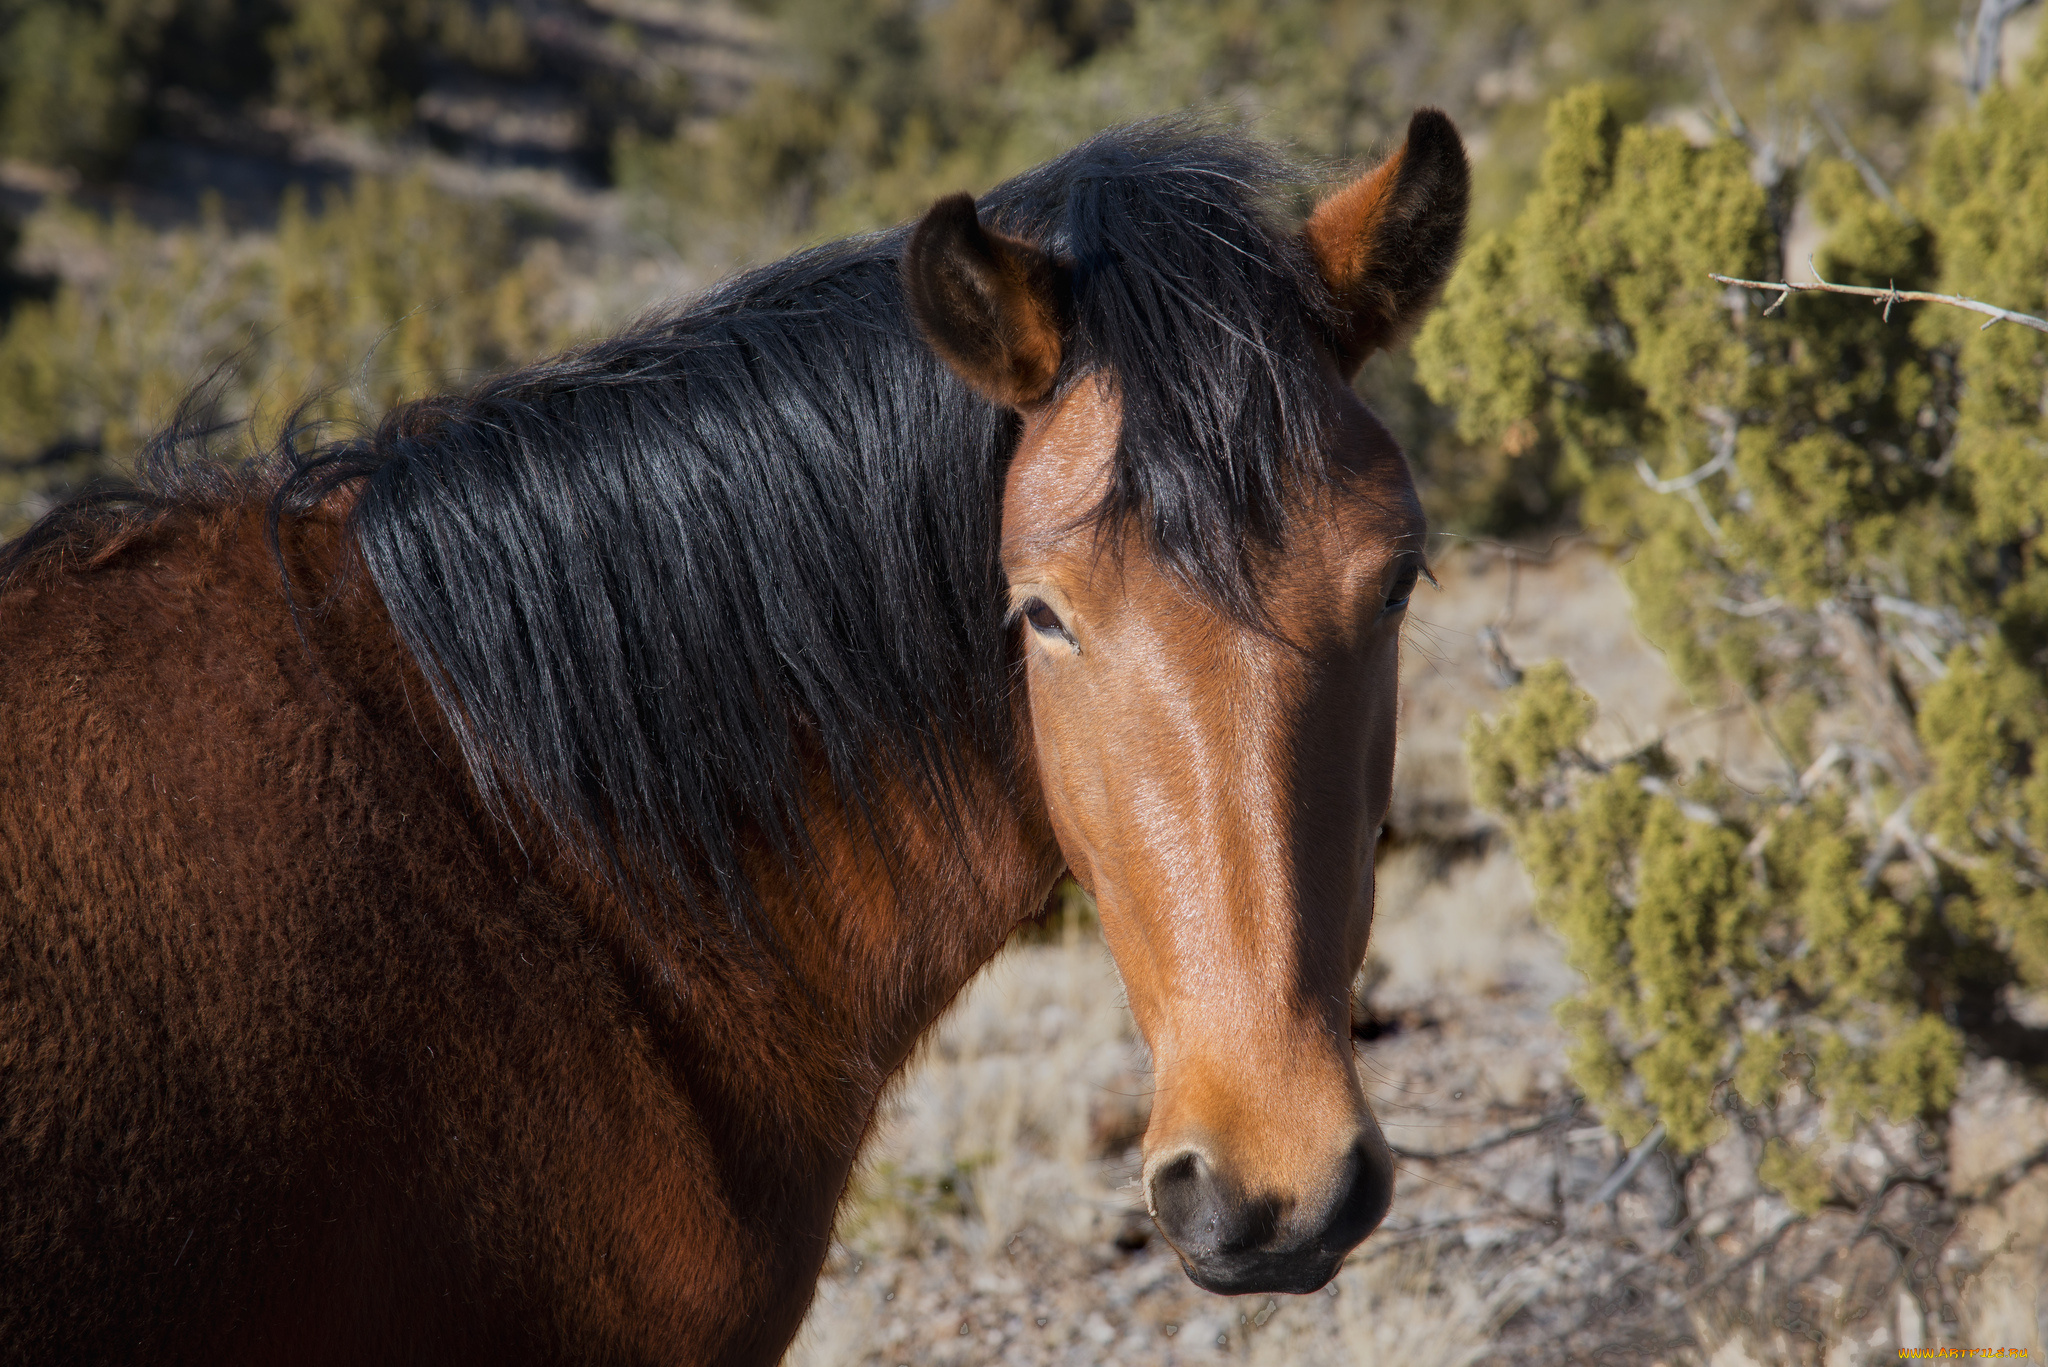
465,888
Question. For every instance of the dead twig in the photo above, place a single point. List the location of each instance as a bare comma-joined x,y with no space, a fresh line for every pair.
1482,1145
1683,482
1867,1212
1872,181
1761,1248
1493,650
1887,297
1731,117
1983,39
1623,1175
1692,811
1895,836
1499,1200
1687,485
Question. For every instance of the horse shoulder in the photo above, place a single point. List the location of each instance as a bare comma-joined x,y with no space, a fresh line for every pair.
288,1026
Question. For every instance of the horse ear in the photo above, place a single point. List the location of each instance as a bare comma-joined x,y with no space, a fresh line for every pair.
1385,244
994,307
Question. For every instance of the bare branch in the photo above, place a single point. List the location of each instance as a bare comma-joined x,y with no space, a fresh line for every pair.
1762,607
1946,624
1754,706
1947,621
1683,482
1924,653
1973,863
1624,1174
1872,181
1482,1145
1757,1250
1690,810
1501,669
1500,666
1686,486
1897,836
1887,297
1500,1200
1836,753
1986,36
1866,665
1731,117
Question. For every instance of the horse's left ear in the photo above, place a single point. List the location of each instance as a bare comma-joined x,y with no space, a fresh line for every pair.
994,307
1385,244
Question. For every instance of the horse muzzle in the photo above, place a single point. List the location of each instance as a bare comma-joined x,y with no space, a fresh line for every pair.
1234,1242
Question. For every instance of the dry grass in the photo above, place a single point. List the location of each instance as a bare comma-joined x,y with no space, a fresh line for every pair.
985,1227
993,1130
1455,922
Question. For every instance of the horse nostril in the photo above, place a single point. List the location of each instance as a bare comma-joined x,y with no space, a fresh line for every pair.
1362,1204
1175,1191
1201,1218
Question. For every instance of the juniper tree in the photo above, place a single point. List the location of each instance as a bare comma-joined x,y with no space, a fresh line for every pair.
1836,513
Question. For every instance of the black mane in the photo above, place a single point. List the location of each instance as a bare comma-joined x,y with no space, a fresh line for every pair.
651,580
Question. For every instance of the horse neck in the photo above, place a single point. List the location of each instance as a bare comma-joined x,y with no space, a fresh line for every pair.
889,924
790,1028
851,952
794,1014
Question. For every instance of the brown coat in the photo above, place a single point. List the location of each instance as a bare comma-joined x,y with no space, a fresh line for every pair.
304,1062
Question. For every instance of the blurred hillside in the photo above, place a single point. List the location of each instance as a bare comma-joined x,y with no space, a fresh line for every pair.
370,198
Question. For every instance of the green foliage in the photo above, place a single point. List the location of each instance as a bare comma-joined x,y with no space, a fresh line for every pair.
1518,749
889,103
80,79
863,112
1526,335
389,290
62,97
1984,726
1862,565
330,55
1698,971
1794,1172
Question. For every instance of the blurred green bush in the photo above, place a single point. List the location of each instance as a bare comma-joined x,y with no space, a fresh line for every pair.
385,290
80,79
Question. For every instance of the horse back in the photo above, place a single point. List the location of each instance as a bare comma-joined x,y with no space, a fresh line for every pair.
299,1060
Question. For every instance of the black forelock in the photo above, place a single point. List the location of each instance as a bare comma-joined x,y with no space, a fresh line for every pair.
655,582
1204,310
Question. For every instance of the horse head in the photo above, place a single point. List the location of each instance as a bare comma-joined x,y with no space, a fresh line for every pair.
1217,772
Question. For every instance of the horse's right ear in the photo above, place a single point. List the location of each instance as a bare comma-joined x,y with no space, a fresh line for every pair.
994,307
1385,244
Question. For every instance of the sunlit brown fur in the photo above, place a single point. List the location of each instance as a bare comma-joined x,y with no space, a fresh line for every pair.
1218,785
1385,244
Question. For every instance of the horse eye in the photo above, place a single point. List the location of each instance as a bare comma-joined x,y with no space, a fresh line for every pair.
1043,618
1403,587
